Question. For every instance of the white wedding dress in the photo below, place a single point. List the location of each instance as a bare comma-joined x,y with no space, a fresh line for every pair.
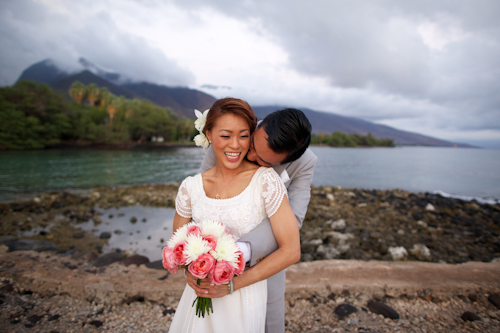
245,309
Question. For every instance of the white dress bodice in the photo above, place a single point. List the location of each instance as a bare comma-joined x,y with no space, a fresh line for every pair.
240,214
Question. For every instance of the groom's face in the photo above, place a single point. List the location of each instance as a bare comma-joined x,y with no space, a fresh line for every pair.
260,153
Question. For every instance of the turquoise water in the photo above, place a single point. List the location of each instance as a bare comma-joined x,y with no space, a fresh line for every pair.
456,171
25,173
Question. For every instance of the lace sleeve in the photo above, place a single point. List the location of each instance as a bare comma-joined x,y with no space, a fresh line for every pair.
183,199
273,191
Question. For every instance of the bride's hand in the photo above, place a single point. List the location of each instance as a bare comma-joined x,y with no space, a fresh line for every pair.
206,289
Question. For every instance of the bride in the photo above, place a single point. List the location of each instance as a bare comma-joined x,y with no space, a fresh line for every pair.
240,195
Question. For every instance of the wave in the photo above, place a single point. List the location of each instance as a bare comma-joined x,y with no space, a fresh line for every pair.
481,200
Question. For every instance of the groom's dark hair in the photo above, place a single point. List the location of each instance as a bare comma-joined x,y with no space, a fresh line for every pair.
289,131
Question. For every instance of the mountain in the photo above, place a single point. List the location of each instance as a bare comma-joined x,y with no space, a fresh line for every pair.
184,100
106,74
181,100
45,71
86,77
330,122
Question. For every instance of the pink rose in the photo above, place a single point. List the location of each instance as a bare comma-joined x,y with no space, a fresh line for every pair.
178,250
241,263
169,261
223,273
194,230
202,266
211,240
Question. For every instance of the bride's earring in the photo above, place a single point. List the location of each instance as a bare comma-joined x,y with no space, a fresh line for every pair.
209,141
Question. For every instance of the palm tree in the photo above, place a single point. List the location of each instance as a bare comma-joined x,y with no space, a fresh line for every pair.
113,104
93,92
103,97
78,91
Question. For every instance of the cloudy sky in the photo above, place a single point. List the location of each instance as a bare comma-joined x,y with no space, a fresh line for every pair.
431,67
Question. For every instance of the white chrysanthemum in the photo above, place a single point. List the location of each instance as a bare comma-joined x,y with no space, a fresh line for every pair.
195,246
226,250
199,123
201,141
179,235
211,227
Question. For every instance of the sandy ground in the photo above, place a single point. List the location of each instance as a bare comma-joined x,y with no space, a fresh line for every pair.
49,292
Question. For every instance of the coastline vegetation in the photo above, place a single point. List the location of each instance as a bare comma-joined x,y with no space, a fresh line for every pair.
340,139
34,116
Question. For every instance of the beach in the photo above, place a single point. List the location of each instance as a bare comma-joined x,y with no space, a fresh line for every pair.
360,248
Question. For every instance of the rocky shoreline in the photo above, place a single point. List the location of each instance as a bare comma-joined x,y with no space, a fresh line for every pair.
339,224
354,224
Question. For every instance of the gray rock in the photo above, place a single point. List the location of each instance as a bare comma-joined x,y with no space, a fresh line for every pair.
421,252
311,245
6,239
430,207
495,300
344,310
342,242
108,259
327,252
470,316
378,295
105,235
31,245
339,224
135,260
398,253
472,297
383,309
353,322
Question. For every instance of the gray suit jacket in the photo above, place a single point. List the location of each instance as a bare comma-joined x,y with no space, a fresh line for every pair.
300,174
261,239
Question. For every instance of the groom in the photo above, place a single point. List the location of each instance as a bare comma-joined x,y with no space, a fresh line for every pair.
280,140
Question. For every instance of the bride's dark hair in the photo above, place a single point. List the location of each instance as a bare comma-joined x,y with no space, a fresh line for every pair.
235,106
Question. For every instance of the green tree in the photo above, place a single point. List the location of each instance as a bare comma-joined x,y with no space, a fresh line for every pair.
150,120
93,93
78,92
44,113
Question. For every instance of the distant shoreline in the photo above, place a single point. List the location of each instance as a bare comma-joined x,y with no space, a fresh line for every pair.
169,145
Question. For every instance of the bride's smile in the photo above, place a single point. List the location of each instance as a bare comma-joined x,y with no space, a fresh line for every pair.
233,157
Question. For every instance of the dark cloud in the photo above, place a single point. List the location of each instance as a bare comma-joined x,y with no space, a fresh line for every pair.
376,47
31,32
430,65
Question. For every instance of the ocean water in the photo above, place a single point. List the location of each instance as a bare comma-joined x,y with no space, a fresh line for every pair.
460,172
464,173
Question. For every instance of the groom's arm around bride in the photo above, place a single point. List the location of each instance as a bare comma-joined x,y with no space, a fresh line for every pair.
281,141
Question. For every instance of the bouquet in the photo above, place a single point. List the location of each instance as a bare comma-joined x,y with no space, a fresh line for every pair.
205,250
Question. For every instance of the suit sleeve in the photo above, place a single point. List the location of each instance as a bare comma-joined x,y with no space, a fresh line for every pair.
209,160
299,190
261,239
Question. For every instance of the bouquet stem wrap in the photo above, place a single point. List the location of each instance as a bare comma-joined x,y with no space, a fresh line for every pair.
203,305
